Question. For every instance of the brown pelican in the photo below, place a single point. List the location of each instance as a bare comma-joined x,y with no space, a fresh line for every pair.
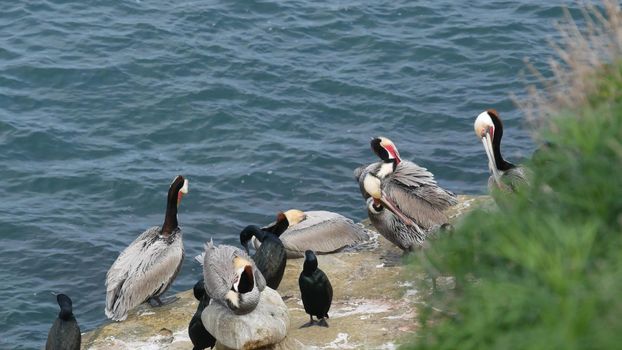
504,175
231,277
65,332
270,257
388,218
148,266
321,231
412,188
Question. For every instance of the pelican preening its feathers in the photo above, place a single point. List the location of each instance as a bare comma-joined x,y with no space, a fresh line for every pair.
149,265
504,175
231,277
403,199
322,231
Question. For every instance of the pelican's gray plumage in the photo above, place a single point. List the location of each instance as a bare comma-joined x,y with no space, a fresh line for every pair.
412,188
149,265
322,231
503,174
390,221
231,277
404,236
65,332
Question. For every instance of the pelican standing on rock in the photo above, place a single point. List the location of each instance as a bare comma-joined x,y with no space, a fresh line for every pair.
322,231
65,332
315,290
149,265
408,190
231,277
270,257
504,175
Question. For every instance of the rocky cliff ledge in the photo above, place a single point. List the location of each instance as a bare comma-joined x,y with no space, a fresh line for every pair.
374,305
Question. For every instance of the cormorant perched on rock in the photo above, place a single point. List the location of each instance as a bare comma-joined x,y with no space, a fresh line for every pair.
270,257
65,332
315,290
199,336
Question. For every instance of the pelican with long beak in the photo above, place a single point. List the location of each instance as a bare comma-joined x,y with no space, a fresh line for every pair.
411,187
388,218
504,175
149,265
322,231
231,277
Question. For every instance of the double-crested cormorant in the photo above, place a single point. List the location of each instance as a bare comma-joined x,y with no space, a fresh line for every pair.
199,336
270,257
315,290
65,332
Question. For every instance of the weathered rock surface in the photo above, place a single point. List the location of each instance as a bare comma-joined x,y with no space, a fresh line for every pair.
374,305
267,325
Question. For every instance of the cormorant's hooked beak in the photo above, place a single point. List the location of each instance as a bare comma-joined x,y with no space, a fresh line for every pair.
182,192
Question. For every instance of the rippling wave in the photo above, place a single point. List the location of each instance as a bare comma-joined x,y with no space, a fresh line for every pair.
263,105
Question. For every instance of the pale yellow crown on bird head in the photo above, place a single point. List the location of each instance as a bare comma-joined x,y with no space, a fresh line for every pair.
294,216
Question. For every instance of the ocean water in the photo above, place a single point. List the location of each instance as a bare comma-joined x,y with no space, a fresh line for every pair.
262,105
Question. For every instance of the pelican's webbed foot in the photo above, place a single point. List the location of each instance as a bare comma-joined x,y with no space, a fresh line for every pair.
157,302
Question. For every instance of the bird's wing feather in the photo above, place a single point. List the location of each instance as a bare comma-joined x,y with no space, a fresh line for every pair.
269,258
218,270
323,232
219,273
415,191
517,178
118,272
148,273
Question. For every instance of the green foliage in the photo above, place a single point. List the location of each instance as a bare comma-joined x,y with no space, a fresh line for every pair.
545,270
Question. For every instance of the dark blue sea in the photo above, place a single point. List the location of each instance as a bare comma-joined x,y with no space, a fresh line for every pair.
262,105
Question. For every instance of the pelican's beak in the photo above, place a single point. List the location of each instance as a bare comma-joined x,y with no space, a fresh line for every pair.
492,165
395,210
393,153
182,191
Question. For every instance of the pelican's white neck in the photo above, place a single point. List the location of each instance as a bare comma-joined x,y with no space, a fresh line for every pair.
385,169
